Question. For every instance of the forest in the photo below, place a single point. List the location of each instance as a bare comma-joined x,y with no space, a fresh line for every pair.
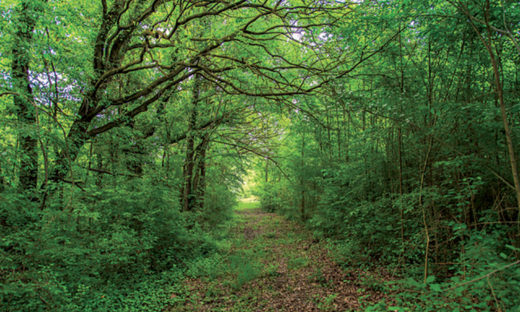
259,155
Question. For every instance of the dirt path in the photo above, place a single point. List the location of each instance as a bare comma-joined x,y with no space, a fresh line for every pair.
275,265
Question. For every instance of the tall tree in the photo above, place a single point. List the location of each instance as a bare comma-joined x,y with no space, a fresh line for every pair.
154,39
25,18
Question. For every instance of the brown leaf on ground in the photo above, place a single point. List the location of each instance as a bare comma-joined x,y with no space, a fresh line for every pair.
296,273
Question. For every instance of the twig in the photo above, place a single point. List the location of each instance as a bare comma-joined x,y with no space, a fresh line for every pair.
486,275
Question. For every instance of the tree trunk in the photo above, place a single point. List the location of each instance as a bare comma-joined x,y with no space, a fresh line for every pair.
189,161
500,94
302,180
199,181
23,100
76,138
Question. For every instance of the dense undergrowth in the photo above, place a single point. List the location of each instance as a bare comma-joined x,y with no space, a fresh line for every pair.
480,272
444,248
115,249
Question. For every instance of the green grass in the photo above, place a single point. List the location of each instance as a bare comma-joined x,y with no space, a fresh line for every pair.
243,205
248,255
299,262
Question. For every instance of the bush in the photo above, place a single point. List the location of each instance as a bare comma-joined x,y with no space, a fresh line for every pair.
89,254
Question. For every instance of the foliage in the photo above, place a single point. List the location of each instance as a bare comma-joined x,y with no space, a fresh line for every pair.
407,162
389,128
91,253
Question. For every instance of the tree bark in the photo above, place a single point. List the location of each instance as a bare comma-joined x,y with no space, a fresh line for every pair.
76,138
189,161
199,181
498,89
500,94
302,180
23,100
505,122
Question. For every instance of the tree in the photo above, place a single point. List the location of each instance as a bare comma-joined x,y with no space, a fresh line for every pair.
25,19
154,40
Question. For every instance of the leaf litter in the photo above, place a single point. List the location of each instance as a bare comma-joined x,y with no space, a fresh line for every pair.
275,264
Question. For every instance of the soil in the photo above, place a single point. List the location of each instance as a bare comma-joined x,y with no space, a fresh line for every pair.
274,264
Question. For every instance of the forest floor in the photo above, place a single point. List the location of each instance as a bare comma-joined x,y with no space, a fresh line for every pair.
273,264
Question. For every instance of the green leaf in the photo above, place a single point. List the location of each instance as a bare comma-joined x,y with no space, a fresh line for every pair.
436,287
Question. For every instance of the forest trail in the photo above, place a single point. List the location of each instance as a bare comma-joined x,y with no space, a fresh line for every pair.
275,265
